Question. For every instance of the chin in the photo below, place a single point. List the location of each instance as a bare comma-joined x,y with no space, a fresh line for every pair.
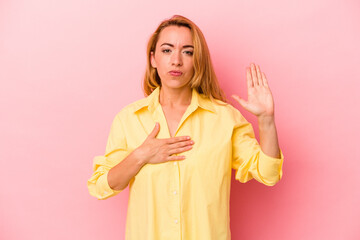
175,84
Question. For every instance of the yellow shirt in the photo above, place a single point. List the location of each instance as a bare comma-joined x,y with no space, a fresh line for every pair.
186,199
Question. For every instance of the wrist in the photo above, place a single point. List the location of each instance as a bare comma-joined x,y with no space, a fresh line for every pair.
266,122
139,158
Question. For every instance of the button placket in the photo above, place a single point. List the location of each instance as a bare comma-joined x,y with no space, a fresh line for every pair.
175,200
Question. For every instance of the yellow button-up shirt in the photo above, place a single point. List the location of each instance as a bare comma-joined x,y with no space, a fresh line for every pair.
186,199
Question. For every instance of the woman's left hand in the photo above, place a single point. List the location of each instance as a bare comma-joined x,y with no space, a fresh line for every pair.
260,101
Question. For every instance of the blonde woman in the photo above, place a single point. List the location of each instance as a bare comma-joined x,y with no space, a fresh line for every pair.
176,147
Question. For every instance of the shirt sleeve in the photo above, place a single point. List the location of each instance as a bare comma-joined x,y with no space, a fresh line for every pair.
249,160
116,150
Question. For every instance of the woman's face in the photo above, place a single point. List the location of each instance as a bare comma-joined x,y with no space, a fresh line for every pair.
173,57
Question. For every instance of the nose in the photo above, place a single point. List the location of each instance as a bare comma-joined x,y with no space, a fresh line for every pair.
176,58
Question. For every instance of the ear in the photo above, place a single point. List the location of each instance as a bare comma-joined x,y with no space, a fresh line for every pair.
152,59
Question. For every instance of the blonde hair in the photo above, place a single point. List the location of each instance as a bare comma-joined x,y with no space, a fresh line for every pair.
204,79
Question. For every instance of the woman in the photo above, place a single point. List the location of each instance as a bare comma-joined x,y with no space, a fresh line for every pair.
179,171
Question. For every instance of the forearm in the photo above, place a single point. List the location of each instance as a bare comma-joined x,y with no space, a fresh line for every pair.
120,175
268,136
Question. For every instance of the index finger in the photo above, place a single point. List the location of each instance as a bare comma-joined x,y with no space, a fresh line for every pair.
177,139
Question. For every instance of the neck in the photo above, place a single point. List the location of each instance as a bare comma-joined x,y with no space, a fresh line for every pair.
171,97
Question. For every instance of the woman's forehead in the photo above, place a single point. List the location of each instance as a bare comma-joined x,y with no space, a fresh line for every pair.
175,35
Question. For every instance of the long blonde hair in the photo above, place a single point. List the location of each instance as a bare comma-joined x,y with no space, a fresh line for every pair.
204,79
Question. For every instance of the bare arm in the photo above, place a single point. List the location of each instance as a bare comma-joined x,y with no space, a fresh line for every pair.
120,175
261,103
268,137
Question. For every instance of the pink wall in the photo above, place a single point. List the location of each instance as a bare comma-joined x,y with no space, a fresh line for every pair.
67,67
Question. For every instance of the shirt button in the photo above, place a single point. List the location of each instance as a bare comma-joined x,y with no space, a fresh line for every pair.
174,192
174,163
105,192
176,221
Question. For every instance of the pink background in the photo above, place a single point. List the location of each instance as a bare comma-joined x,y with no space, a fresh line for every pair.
67,67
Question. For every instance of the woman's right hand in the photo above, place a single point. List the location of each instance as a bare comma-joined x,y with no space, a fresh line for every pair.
154,150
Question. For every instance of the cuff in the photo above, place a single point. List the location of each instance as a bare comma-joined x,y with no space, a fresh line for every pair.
104,190
270,168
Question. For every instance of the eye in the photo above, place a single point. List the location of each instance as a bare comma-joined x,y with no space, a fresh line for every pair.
165,50
190,53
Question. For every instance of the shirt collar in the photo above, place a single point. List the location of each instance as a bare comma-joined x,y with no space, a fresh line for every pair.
197,100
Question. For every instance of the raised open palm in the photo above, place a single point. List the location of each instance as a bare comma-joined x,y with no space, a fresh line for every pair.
260,100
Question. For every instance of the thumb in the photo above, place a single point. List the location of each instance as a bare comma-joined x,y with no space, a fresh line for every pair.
241,101
155,131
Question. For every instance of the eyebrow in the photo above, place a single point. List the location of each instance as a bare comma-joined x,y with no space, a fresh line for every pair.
171,45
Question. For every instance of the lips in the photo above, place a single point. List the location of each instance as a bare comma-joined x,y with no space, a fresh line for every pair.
175,73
